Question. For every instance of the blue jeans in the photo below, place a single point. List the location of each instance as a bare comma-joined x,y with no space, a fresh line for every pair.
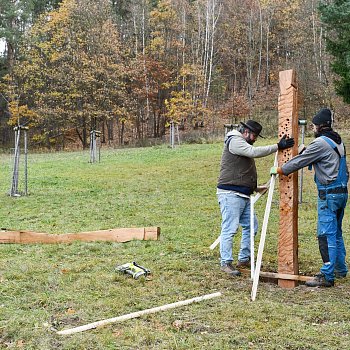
235,211
330,234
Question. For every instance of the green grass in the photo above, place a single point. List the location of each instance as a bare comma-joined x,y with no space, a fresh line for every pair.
44,288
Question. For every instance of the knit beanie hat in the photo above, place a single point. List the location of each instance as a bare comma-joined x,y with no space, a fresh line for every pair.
323,117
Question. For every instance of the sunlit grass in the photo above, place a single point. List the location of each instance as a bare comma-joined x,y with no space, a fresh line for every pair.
44,288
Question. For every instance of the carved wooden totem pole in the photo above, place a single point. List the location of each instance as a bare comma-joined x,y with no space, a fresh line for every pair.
288,230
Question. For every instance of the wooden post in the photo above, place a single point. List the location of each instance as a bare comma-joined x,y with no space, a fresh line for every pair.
288,230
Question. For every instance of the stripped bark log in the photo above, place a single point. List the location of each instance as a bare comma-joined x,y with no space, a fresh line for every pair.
288,230
113,235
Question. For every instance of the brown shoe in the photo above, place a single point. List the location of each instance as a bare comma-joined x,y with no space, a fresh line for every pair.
243,264
229,269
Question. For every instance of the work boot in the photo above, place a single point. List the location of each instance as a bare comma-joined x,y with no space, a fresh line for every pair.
229,269
339,275
319,281
243,264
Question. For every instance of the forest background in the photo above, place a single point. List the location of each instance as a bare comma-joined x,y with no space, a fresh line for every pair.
127,68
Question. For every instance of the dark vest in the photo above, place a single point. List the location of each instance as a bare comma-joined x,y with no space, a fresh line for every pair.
237,173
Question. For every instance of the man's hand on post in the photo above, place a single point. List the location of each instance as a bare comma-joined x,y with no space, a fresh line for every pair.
285,142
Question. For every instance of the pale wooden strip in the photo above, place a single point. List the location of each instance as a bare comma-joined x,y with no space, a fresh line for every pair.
138,314
278,276
263,234
215,243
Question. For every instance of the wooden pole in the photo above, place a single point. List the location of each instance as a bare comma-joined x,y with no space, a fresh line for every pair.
138,314
113,235
215,243
263,234
252,236
288,230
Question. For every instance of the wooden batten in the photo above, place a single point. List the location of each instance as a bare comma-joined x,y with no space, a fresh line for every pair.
112,235
288,230
276,277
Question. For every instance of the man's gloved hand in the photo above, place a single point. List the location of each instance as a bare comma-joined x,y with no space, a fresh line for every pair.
284,143
276,170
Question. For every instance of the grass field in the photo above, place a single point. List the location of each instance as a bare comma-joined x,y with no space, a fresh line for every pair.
45,288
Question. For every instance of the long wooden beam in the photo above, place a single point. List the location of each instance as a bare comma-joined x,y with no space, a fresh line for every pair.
138,314
263,235
113,235
288,185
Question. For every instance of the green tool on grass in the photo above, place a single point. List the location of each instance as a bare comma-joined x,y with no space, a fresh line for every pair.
133,269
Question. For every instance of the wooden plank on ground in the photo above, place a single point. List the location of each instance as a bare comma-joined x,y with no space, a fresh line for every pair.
138,314
113,235
278,276
288,230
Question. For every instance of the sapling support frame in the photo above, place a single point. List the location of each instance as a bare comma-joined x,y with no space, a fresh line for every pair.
174,131
14,190
95,146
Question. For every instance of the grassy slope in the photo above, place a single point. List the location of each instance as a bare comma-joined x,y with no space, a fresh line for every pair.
48,287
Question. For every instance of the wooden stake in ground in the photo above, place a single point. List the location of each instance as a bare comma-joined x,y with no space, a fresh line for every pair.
288,185
138,314
113,235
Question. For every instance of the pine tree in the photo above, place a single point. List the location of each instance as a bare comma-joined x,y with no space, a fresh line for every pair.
336,17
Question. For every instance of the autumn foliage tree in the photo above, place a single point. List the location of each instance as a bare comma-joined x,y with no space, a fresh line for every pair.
128,67
72,74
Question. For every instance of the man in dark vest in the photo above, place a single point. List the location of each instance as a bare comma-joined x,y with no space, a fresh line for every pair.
237,181
326,154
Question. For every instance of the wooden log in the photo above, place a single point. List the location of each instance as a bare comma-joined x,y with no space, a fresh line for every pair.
288,229
138,314
113,235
